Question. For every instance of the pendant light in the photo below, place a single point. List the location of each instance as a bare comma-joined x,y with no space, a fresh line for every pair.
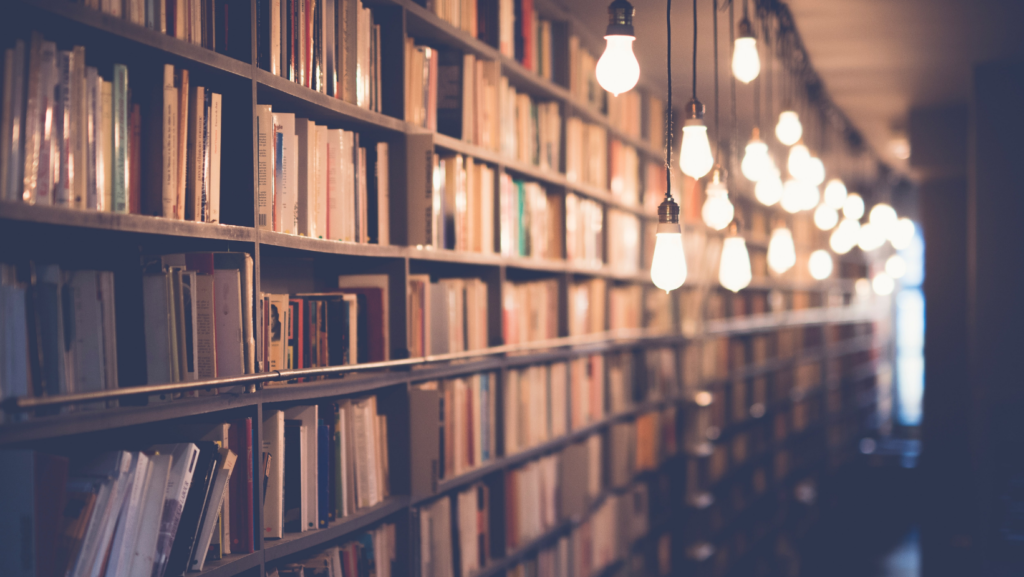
734,268
781,251
792,196
883,284
813,171
746,64
835,194
789,130
870,237
668,265
825,217
695,157
618,70
853,206
717,211
796,163
756,163
885,217
769,189
820,264
844,236
895,266
902,234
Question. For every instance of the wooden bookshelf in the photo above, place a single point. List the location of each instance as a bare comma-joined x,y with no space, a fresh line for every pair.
116,241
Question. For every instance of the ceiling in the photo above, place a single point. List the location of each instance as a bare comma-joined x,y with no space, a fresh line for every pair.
877,58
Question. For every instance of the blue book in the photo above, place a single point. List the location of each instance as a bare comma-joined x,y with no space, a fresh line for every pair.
485,417
119,110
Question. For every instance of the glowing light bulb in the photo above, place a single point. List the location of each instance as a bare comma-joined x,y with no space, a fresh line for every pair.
820,264
870,237
781,252
825,217
789,130
862,287
746,64
853,206
809,196
835,194
883,284
799,156
895,266
844,237
695,157
756,162
734,268
668,265
885,217
792,196
768,190
717,211
813,171
618,70
902,233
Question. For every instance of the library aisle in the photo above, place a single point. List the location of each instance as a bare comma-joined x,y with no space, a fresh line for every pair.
510,288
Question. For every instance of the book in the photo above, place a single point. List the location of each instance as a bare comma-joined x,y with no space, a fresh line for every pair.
152,507
274,447
184,458
212,510
35,492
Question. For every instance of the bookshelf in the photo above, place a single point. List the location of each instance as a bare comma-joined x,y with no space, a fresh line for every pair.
839,339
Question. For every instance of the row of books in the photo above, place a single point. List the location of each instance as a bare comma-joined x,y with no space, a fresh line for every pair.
441,553
468,93
624,240
163,511
625,113
463,197
530,311
59,331
586,306
584,230
467,427
625,304
197,310
529,219
72,138
624,172
219,25
323,463
331,46
447,315
531,129
369,554
586,152
319,182
583,85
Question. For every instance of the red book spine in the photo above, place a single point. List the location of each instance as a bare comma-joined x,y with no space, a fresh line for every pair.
470,418
527,32
135,161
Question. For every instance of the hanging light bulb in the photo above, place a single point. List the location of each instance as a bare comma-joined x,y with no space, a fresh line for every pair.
862,288
799,156
885,217
853,206
618,70
835,194
809,196
895,266
695,157
789,130
769,189
756,162
792,196
820,264
902,234
825,217
717,211
813,171
668,266
781,252
844,237
746,64
883,284
870,237
734,268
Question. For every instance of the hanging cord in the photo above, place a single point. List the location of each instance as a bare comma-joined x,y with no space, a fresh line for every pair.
695,49
757,81
732,87
714,36
770,53
668,106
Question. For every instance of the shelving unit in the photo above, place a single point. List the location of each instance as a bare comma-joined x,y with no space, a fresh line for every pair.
116,242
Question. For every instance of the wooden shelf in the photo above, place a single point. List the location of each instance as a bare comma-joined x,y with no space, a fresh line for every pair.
127,223
231,565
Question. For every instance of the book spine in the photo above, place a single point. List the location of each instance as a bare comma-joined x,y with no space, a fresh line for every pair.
265,167
169,142
213,200
119,184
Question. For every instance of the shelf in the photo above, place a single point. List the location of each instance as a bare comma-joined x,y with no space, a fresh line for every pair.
127,223
294,242
792,318
140,36
231,565
502,463
324,109
293,543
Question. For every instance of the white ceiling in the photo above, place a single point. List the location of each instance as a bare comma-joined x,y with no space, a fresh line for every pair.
877,58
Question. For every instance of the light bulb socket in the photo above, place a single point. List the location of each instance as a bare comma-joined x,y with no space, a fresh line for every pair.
668,216
734,227
718,173
755,134
620,19
694,111
744,29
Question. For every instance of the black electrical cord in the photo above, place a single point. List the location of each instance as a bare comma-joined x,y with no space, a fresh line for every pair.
714,36
695,49
668,105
